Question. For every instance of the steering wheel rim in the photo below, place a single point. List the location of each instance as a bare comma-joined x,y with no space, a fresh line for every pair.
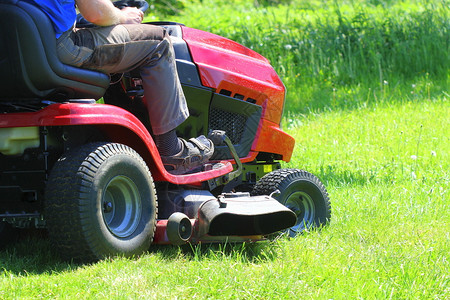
140,4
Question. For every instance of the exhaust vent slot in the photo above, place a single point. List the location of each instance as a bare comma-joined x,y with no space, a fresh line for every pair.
225,92
239,96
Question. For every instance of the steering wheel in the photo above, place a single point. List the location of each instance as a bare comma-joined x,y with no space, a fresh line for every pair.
140,4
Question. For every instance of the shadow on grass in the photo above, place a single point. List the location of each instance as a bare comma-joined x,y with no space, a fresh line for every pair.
331,177
336,176
33,254
243,252
312,97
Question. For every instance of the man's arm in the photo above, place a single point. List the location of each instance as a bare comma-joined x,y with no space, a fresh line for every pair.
104,13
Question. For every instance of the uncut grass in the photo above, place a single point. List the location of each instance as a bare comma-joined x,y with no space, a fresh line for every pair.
342,54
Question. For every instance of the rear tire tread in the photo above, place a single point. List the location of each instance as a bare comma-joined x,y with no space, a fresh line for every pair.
67,195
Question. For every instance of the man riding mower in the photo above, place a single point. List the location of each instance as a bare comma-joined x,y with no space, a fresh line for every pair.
108,168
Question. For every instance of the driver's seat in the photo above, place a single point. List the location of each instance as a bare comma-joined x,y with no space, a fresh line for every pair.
29,65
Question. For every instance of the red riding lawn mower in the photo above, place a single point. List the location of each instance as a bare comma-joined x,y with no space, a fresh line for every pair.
89,172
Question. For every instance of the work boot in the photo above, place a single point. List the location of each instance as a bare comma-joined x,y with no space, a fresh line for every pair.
194,153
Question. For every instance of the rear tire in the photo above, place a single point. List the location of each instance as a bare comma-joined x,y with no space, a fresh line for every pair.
301,192
101,202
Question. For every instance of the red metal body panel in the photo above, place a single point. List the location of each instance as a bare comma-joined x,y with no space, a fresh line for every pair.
226,65
272,139
112,120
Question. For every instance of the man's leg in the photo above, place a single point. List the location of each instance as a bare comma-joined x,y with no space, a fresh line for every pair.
148,48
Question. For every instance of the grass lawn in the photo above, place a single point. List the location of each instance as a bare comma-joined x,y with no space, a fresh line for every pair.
368,105
386,169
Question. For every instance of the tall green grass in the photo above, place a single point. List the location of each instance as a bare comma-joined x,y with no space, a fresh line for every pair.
340,54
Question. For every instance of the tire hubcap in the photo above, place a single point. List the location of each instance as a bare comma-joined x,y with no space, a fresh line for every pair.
303,206
121,206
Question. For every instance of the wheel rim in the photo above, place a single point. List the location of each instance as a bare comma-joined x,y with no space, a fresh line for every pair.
303,207
121,206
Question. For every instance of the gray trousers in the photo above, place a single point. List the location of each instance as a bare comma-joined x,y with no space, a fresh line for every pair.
122,48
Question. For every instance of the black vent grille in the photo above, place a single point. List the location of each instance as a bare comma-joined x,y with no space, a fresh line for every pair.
233,124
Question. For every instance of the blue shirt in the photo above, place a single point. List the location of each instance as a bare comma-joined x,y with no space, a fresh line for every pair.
62,13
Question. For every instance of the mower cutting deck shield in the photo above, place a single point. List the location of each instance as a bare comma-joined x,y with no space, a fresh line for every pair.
204,217
90,174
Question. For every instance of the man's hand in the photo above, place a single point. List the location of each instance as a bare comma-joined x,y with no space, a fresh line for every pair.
131,15
104,13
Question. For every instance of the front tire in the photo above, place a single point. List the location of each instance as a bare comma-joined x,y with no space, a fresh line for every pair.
101,202
301,192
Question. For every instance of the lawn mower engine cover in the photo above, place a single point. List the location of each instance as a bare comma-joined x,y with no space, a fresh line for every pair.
245,94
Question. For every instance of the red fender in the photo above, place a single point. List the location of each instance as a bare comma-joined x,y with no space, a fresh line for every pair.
119,125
